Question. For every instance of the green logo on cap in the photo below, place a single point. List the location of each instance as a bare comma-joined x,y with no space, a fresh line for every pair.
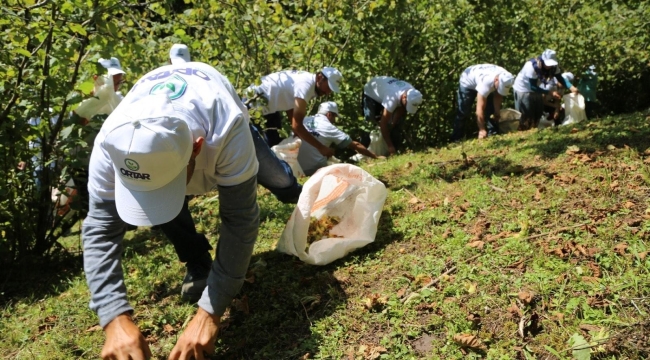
131,164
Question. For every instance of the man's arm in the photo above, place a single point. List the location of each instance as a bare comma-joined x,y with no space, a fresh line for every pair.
297,115
102,236
481,103
385,130
358,147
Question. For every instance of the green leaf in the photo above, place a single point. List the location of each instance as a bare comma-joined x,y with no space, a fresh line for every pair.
581,351
86,87
77,28
22,52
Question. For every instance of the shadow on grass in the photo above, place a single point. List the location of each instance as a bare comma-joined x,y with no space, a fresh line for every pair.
286,300
38,278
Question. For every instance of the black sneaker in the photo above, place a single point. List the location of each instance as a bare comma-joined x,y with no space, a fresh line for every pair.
196,278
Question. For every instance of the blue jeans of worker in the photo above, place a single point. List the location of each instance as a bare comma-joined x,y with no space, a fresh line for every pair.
273,173
466,99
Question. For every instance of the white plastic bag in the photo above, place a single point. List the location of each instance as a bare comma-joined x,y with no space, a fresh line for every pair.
574,107
544,122
377,144
344,191
287,150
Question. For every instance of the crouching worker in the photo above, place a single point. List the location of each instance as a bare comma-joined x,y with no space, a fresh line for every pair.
181,130
321,126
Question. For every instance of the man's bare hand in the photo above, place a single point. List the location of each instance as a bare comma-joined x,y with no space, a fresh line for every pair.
391,150
124,340
326,151
556,95
482,134
198,338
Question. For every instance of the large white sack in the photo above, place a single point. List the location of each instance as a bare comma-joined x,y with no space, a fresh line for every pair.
342,190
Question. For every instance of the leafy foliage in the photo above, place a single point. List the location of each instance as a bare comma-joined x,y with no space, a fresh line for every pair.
51,48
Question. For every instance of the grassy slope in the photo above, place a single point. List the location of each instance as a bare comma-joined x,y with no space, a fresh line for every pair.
479,217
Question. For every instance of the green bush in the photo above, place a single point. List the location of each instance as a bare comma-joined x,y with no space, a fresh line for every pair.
51,50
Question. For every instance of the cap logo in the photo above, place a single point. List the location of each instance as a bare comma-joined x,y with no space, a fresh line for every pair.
174,87
131,164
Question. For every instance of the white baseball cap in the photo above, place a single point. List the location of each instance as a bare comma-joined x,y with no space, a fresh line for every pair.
569,76
549,57
506,80
328,106
413,100
112,65
333,76
179,53
150,146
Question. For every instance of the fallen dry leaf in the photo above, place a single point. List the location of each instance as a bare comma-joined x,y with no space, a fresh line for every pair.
574,130
628,205
526,297
400,293
642,255
478,244
414,200
613,185
572,149
168,329
620,248
241,304
94,328
446,234
515,311
590,279
589,327
595,269
469,341
374,301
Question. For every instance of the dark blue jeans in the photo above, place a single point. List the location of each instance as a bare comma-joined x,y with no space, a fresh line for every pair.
273,173
466,99
273,123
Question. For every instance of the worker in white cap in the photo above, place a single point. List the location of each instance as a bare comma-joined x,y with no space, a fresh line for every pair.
489,84
385,101
322,127
528,87
289,91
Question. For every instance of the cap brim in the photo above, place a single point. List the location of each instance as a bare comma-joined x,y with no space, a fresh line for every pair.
333,86
550,62
148,208
114,71
411,109
503,90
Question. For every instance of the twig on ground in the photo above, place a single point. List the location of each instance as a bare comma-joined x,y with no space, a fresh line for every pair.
554,231
637,308
497,188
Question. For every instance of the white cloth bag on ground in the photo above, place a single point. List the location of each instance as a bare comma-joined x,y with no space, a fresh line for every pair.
287,150
574,107
341,190
377,146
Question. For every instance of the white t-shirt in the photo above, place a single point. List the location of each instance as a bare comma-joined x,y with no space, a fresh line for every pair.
309,157
281,89
214,108
481,78
387,91
522,81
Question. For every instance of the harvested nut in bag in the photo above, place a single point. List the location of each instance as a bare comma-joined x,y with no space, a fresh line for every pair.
320,229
